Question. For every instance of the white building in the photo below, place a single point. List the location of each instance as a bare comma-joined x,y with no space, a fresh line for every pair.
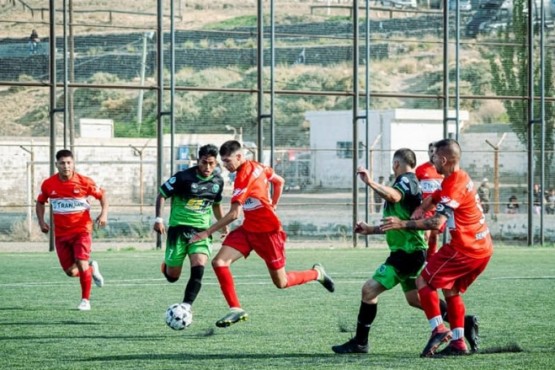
331,140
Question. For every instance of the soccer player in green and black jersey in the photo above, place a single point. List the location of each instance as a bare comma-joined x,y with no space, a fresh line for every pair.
407,247
196,195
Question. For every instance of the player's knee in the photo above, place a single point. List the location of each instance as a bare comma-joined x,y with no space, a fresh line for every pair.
369,293
171,279
280,284
218,263
414,303
72,272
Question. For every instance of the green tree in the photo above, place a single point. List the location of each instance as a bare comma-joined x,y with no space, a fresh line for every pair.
509,70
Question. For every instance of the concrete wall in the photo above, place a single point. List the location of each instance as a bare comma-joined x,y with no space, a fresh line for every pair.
478,156
112,163
410,128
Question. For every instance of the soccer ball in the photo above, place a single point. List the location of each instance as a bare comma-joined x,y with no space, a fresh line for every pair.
179,316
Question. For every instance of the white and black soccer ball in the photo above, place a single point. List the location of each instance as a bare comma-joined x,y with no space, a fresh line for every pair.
179,316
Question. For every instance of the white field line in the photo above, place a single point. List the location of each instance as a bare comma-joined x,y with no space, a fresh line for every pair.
261,279
239,280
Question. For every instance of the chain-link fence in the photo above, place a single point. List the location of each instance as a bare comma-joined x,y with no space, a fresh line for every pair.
104,78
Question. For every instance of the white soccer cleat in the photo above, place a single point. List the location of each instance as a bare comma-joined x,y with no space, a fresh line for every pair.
187,307
85,305
96,275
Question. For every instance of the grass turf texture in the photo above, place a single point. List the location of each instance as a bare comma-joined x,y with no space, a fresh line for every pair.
40,327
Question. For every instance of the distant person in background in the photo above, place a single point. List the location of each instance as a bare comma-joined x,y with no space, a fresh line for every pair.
34,42
513,206
429,181
538,195
196,195
483,193
68,193
550,202
378,200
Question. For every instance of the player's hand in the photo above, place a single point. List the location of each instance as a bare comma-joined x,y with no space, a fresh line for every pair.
159,228
391,223
199,236
224,231
417,214
363,174
101,220
361,228
44,227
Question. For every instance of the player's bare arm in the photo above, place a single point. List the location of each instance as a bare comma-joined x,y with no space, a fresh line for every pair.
431,223
102,219
219,213
364,229
229,217
387,193
40,211
159,221
427,205
277,182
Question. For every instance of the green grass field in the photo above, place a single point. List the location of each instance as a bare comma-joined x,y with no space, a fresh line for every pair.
40,327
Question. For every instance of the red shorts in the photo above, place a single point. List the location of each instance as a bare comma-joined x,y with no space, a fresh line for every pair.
269,246
73,247
448,269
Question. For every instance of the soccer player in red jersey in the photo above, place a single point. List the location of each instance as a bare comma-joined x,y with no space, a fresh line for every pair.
456,265
261,231
68,193
430,181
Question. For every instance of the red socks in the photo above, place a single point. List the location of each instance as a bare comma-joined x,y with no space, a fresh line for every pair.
429,300
455,311
301,277
223,273
225,278
85,279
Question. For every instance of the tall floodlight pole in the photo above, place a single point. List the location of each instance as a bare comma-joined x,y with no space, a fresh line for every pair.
160,103
355,118
530,122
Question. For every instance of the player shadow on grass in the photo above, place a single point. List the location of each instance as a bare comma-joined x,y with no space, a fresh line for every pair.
50,323
136,338
190,357
196,357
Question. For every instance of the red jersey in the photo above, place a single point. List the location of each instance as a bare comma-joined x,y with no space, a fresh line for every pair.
69,202
252,191
428,178
459,201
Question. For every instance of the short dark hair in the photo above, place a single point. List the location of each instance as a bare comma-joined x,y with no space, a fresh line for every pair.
63,153
452,146
406,155
448,143
229,147
209,150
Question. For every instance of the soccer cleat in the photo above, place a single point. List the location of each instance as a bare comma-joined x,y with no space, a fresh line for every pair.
350,347
471,329
455,348
234,315
187,307
437,338
324,278
85,305
96,275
